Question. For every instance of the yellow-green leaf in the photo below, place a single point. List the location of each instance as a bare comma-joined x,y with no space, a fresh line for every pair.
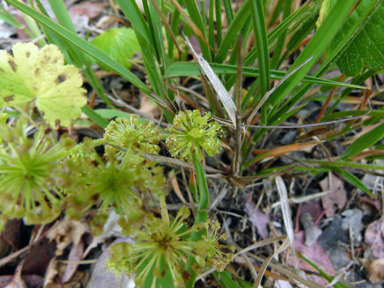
29,74
119,43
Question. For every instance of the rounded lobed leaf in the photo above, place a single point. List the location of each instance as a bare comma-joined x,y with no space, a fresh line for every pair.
27,74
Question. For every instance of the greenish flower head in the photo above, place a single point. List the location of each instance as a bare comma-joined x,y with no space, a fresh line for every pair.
129,133
117,183
160,241
218,256
194,132
26,185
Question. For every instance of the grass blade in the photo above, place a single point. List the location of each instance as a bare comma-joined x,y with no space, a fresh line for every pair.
364,142
197,18
94,116
191,69
316,46
260,31
232,31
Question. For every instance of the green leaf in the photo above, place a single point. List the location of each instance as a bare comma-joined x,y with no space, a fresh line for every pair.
326,6
225,279
376,113
364,141
260,31
112,41
315,48
367,48
30,73
190,69
323,273
355,181
233,29
131,10
94,116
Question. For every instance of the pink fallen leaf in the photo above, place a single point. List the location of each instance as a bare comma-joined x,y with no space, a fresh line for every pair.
75,255
314,253
336,199
258,219
374,238
87,8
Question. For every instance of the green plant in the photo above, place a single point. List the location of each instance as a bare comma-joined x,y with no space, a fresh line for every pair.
40,178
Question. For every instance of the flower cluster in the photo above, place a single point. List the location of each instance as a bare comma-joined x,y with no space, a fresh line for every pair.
160,241
194,132
26,188
129,133
218,255
117,183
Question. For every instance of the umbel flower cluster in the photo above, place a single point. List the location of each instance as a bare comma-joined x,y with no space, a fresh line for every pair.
129,133
193,132
163,246
26,188
39,179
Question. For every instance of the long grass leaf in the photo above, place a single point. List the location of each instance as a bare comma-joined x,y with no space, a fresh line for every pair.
364,141
190,69
260,31
199,20
233,29
316,46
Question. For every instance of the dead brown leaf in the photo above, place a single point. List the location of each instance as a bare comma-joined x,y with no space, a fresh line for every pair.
51,272
336,199
87,8
66,232
375,269
278,151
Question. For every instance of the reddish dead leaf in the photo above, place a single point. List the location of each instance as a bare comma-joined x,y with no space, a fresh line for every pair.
258,219
355,100
336,199
312,132
366,154
374,238
314,253
87,8
75,254
38,257
17,282
312,207
285,149
10,237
